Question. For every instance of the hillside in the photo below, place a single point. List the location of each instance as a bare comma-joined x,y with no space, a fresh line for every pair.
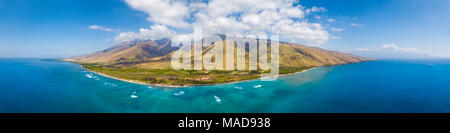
149,62
128,52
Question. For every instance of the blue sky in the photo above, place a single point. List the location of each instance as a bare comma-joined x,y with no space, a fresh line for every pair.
63,28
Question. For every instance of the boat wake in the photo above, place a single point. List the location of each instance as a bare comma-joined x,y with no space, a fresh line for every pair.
179,93
239,88
218,100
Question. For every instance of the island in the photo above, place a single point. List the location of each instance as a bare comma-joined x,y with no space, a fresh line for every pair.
149,62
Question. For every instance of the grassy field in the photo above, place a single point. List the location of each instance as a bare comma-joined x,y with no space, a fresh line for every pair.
180,77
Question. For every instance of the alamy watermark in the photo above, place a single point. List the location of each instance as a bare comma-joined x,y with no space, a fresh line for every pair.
228,52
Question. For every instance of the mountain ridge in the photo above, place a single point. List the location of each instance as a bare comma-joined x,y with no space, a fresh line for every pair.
131,51
149,62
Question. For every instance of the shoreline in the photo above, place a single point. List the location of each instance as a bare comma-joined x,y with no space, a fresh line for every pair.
132,81
179,86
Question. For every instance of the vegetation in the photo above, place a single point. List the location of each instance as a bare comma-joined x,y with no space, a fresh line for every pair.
180,77
149,62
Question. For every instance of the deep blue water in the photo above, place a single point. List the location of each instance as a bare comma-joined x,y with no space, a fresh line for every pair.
31,85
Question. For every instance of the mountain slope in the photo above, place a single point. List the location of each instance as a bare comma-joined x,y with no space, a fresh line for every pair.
294,55
156,55
128,53
149,62
291,56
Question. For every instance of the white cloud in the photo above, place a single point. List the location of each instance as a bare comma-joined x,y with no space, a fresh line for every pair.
390,47
231,16
102,28
313,33
220,15
331,20
316,9
356,25
394,47
317,17
166,12
181,38
155,32
337,29
335,37
364,49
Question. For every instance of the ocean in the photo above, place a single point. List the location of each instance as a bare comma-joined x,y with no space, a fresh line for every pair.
383,86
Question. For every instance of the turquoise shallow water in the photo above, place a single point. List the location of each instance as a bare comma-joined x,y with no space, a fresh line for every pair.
32,85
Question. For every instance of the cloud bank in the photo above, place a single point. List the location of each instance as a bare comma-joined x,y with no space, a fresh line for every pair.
356,25
173,18
102,28
390,47
154,32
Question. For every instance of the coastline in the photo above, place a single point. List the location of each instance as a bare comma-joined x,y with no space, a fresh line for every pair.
178,86
132,81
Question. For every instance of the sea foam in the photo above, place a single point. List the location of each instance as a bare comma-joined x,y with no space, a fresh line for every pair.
239,88
89,76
